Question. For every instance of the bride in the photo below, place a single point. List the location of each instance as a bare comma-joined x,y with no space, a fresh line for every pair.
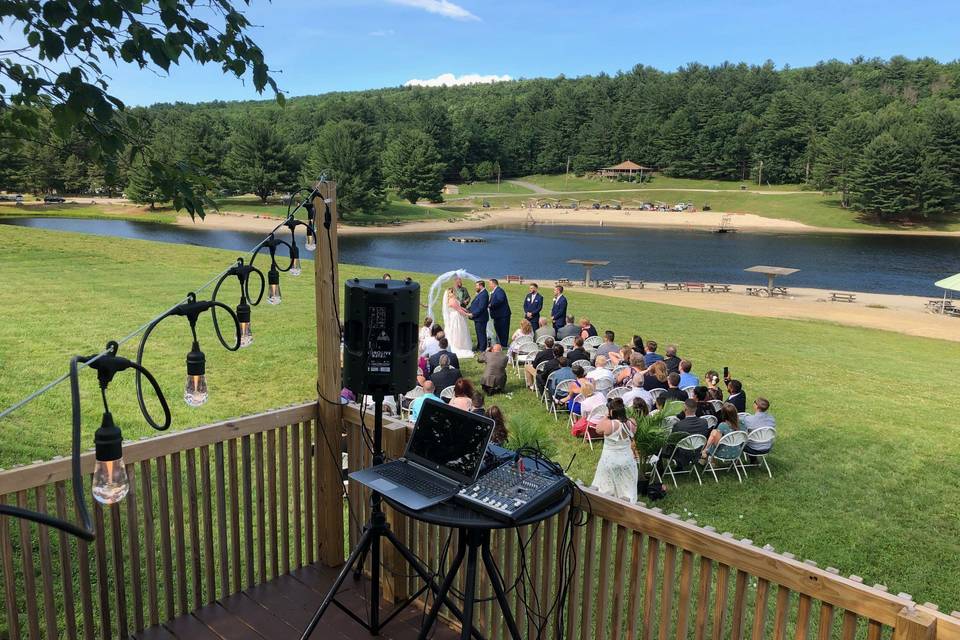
455,325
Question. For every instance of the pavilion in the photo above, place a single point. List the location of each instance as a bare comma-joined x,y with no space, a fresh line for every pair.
626,168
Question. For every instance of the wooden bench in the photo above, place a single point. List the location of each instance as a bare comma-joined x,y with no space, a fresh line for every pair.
719,288
563,282
836,296
514,278
672,286
695,286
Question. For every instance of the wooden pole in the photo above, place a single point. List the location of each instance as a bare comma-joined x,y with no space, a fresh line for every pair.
329,494
914,624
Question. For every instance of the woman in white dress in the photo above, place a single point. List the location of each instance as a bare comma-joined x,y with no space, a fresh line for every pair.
455,326
617,470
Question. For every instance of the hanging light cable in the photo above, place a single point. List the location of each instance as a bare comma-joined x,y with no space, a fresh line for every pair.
273,275
242,272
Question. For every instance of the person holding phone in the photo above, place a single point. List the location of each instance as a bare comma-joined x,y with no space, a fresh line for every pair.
737,396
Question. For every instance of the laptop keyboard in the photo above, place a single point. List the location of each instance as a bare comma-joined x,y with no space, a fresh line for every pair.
421,483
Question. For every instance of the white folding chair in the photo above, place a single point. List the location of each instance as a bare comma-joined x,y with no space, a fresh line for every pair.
603,385
618,370
525,353
562,391
717,404
437,368
759,445
689,389
656,393
727,454
568,341
617,392
545,397
711,421
594,417
587,368
582,363
542,341
692,443
573,416
593,342
447,394
411,395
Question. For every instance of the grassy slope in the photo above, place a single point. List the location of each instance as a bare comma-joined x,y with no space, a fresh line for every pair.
573,183
97,212
395,210
490,188
855,468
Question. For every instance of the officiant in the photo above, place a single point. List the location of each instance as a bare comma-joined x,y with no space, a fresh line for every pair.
463,296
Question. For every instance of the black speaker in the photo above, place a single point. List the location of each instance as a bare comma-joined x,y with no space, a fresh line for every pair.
380,336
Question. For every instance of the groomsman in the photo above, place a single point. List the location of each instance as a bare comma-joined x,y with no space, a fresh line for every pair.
500,313
533,305
480,315
559,311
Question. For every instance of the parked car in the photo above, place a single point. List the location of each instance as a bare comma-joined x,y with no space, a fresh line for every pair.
51,199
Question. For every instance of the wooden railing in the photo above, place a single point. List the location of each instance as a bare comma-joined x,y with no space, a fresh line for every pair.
644,574
211,511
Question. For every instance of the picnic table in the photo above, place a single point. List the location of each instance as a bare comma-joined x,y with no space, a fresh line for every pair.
514,278
765,292
695,286
672,286
619,281
837,296
719,288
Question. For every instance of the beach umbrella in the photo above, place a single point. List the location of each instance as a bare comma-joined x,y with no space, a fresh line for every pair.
948,284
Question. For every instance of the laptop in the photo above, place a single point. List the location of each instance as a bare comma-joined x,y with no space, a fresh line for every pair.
443,455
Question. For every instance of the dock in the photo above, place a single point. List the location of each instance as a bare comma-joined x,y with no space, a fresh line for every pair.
467,239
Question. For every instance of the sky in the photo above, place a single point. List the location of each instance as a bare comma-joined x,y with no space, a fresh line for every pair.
318,46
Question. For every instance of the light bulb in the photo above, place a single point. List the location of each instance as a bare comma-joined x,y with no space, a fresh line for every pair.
295,268
273,294
311,243
243,317
110,482
195,390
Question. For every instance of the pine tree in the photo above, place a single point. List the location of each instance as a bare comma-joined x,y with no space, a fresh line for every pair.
412,166
344,151
484,171
142,185
882,181
465,176
839,154
258,161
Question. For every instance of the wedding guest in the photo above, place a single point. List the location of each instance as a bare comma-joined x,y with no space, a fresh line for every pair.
545,330
478,404
601,372
673,390
445,376
638,393
617,471
520,336
424,332
687,379
729,423
431,345
656,376
671,360
444,349
417,404
500,433
578,352
622,356
568,330
608,347
736,395
587,330
651,354
494,379
462,395
563,372
635,368
712,380
544,355
577,388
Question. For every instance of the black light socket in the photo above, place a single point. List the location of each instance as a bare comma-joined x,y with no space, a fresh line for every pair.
108,440
196,362
243,312
273,276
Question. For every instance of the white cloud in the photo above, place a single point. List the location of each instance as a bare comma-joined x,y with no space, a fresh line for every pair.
450,80
382,33
441,7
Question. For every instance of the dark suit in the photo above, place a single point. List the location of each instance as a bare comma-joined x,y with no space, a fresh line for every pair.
444,378
500,314
533,304
478,309
692,426
559,311
739,400
434,361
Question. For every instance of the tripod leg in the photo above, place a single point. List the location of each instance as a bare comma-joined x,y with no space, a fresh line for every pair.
499,591
470,589
358,552
441,594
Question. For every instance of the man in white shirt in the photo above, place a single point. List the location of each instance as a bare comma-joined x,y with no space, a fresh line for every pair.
601,372
637,391
760,418
431,345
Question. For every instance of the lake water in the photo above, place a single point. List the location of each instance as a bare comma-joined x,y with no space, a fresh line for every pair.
873,263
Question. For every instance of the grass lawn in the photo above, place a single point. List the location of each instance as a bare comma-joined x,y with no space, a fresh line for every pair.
560,182
396,209
96,212
864,472
490,188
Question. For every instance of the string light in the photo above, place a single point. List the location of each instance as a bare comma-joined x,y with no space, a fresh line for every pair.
242,272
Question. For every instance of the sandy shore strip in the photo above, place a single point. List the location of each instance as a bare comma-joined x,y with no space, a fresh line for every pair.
701,220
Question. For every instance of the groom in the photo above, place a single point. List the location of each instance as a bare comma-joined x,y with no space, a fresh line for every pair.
478,312
500,313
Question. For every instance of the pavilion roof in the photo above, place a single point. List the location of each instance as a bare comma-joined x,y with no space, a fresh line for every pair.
627,165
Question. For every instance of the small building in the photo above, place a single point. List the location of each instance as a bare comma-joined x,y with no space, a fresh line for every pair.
451,190
626,168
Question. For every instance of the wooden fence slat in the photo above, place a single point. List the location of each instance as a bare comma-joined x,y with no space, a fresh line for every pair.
223,528
9,577
825,623
849,628
248,527
46,567
666,595
874,630
206,506
739,605
586,586
602,593
193,499
760,609
166,554
803,617
703,599
636,563
179,533
235,516
133,538
683,600
650,588
272,500
149,543
619,562
29,578
103,587
66,572
297,506
782,613
261,510
308,455
285,502
119,582
720,604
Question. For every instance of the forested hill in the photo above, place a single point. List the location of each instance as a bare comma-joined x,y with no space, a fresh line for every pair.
884,133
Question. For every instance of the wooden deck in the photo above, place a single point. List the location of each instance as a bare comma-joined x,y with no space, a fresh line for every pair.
281,608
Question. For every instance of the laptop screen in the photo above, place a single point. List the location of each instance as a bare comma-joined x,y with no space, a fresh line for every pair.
449,441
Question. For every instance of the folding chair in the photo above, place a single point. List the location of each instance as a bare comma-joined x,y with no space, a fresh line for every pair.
618,370
711,421
759,445
617,392
542,342
603,385
447,394
568,342
717,405
582,363
689,390
587,368
573,416
691,443
525,353
656,393
594,417
735,441
411,395
562,390
593,342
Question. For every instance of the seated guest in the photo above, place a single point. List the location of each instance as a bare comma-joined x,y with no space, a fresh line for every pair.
691,424
530,369
590,401
655,376
728,423
736,395
671,359
651,355
494,379
545,330
432,343
622,356
673,391
637,392
521,335
552,365
500,434
635,369
639,346
760,418
446,376
638,407
712,380
568,330
478,404
417,404
563,372
587,330
601,372
581,379
714,393
462,395
424,332
609,346
687,379
704,408
444,349
578,352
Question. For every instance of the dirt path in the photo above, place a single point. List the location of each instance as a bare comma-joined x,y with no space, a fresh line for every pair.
529,185
538,190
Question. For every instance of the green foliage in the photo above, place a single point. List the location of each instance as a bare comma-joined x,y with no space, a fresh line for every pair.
259,162
344,151
881,180
412,166
651,434
483,171
524,431
465,176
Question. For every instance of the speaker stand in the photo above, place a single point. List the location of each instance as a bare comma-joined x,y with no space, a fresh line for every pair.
369,543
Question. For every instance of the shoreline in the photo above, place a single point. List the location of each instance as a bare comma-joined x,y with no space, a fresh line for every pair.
698,221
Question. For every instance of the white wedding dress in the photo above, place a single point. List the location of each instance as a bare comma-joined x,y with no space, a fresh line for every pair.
617,469
455,327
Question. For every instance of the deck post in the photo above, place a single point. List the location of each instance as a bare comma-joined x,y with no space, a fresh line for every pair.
328,518
914,624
